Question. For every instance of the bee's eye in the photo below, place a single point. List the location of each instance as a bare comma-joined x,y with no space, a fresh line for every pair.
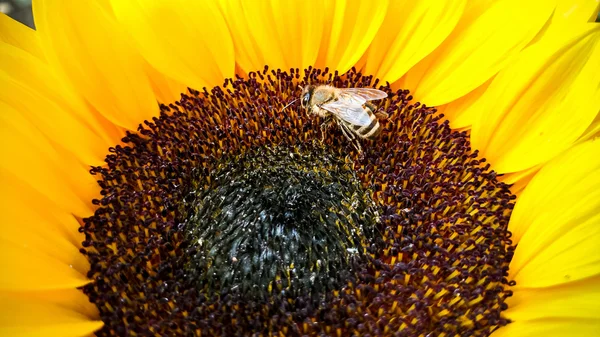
305,99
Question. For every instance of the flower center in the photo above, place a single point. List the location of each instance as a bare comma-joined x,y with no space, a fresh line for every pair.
292,221
229,216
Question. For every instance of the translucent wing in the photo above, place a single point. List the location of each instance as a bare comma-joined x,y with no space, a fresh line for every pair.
349,111
362,95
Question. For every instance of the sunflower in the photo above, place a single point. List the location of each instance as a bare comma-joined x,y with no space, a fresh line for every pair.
158,177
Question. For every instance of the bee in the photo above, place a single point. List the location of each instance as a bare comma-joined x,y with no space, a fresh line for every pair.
348,107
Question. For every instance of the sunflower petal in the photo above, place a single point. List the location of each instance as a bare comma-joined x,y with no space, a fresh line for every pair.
107,71
165,89
568,15
45,242
70,299
285,38
34,317
353,25
411,30
248,55
571,300
519,180
35,76
481,44
550,327
592,131
576,10
289,38
20,36
539,105
187,41
32,159
16,199
27,267
46,229
556,221
458,112
44,112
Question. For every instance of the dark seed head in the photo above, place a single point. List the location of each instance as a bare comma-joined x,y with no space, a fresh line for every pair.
227,216
273,221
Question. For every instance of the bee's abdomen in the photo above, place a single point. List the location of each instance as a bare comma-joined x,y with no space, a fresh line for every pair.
368,131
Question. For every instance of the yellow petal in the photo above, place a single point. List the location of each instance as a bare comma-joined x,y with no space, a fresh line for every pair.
70,299
458,112
550,327
165,89
571,300
44,242
85,42
187,41
21,90
24,268
411,30
37,78
539,105
21,317
556,221
19,35
285,38
248,54
17,199
592,131
297,34
78,329
576,10
488,36
568,15
33,160
519,180
44,229
349,30
574,256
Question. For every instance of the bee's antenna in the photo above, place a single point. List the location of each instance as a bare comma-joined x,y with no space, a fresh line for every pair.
290,103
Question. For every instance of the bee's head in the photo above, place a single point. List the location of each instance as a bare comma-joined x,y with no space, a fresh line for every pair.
307,92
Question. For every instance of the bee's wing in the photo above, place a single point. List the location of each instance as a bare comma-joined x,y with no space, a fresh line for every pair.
363,94
349,111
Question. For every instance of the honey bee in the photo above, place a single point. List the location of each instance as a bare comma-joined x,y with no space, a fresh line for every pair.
348,107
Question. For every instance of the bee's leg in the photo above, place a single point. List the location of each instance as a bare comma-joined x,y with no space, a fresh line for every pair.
358,147
350,136
324,126
382,115
347,133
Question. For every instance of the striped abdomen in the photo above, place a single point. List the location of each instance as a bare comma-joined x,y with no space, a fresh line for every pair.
371,130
